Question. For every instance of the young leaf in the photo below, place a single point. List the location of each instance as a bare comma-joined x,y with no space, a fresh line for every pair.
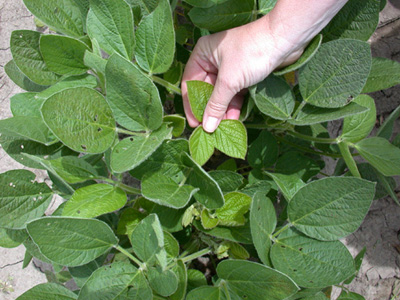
71,241
359,126
334,213
199,92
384,74
133,97
132,151
62,15
164,283
145,6
311,263
273,97
94,200
235,207
254,281
207,221
287,184
386,129
21,198
381,154
155,40
81,119
110,22
228,181
265,6
239,234
331,81
178,124
20,79
201,145
231,138
48,291
263,152
28,58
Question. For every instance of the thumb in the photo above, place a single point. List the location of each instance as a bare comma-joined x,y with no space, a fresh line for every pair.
221,96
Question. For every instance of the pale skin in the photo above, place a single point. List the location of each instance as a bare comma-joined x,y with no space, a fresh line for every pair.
238,58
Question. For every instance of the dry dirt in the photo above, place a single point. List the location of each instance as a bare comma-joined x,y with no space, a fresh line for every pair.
379,277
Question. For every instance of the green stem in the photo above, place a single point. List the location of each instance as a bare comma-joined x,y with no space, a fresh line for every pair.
228,296
312,139
128,132
284,228
126,188
131,257
348,159
302,104
167,84
196,255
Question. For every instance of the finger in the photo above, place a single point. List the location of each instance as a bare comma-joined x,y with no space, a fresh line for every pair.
233,110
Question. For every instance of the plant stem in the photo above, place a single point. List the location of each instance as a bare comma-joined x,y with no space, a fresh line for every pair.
167,84
284,228
131,257
302,104
196,255
126,188
128,132
311,138
348,159
228,296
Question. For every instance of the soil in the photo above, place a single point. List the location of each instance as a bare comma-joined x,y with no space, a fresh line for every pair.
379,276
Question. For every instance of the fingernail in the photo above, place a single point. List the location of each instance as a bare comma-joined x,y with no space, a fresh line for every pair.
210,124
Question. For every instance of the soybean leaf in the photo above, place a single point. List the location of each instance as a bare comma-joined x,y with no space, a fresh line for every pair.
178,124
384,74
82,273
199,92
133,97
331,81
209,194
358,19
201,145
110,22
386,129
265,6
359,126
181,272
28,58
335,213
208,221
381,154
119,280
235,207
62,15
195,279
155,40
308,53
263,152
204,3
170,218
287,184
10,238
228,181
21,198
163,190
311,114
311,263
239,234
132,151
128,220
296,163
63,55
350,296
145,6
262,224
81,119
254,281
71,241
48,291
262,186
231,13
20,79
273,97
33,250
231,138
171,246
164,283
357,262
94,200
207,293
95,62
25,104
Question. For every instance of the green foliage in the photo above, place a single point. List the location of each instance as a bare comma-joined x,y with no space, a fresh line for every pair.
94,110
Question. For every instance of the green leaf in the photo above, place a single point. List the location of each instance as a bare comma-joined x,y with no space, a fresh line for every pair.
204,3
209,194
62,15
386,129
381,154
208,221
119,280
331,80
296,163
94,200
71,241
181,272
163,190
63,55
110,22
207,293
133,97
262,186
10,238
384,74
48,291
81,119
178,124
231,138
239,234
263,152
231,13
274,97
148,241
21,198
308,53
164,283
195,279
25,104
28,58
82,273
311,263
350,296
287,184
358,19
170,218
357,262
155,40
311,114
332,214
199,92
254,281
359,126
171,245
132,151
265,6
20,79
235,207
262,224
95,62
201,145
228,181
128,220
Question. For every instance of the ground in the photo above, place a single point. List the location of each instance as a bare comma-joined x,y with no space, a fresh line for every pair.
379,277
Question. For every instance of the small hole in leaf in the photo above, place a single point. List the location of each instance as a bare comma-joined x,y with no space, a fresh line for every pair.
78,211
300,249
311,281
95,118
258,208
99,129
244,296
294,270
56,10
131,139
83,147
116,151
283,247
